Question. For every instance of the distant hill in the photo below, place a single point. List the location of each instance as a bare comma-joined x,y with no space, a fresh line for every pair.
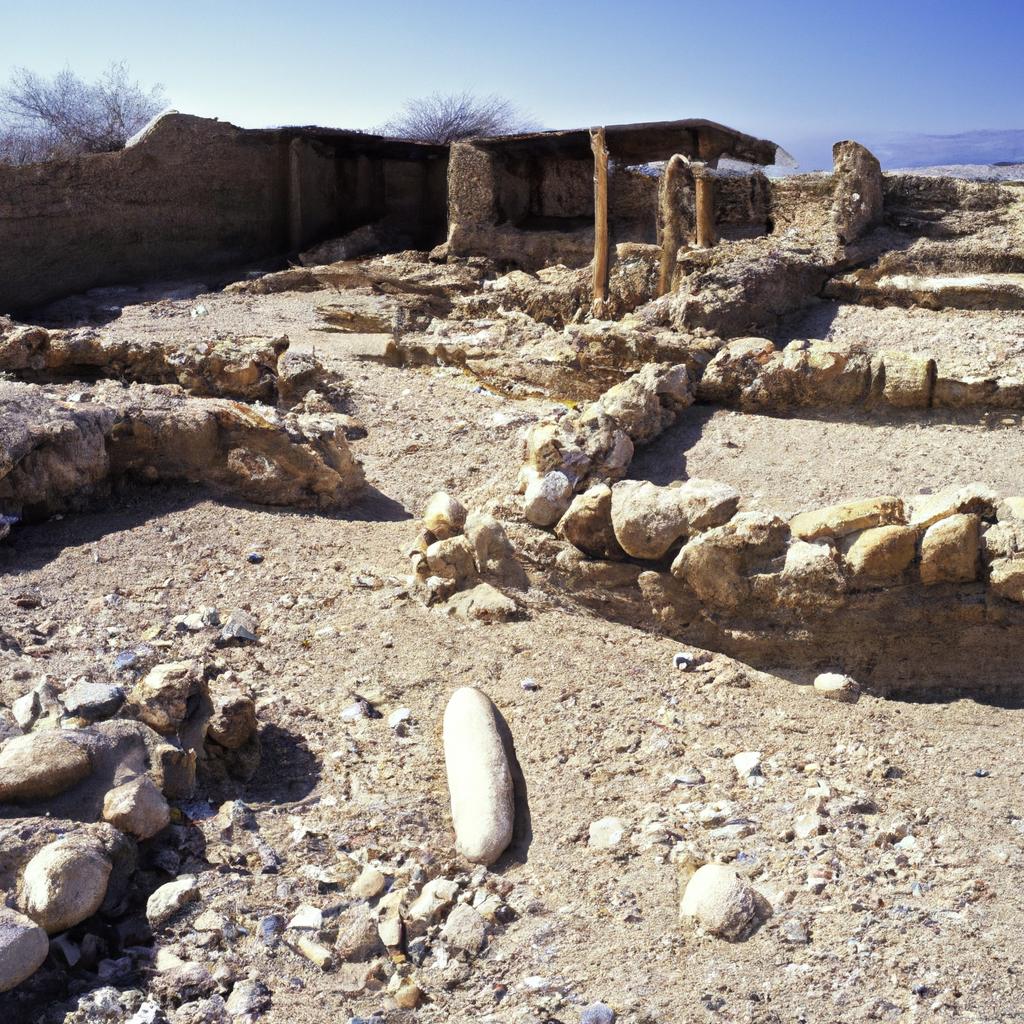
919,150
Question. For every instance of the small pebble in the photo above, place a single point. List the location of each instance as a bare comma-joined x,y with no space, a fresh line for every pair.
254,558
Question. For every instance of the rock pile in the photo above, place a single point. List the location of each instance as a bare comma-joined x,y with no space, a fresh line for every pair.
79,793
567,456
458,554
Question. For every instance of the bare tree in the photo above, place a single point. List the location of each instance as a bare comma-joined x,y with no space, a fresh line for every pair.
45,118
445,118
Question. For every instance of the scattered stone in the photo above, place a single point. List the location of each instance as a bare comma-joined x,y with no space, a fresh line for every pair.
747,763
444,516
465,930
65,882
606,833
317,954
137,807
547,498
399,719
370,884
358,937
794,932
836,686
479,779
40,765
950,550
248,999
306,918
166,901
93,701
240,628
720,901
23,948
598,1013
808,825
483,603
26,709
407,995
434,899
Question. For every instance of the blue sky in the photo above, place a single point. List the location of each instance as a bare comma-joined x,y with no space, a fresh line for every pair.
801,73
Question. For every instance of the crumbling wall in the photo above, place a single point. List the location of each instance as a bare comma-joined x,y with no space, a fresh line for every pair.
194,195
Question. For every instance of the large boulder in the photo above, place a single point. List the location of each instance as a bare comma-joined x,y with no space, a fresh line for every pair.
850,517
587,524
137,808
716,564
648,519
66,882
41,765
720,901
23,948
950,550
479,777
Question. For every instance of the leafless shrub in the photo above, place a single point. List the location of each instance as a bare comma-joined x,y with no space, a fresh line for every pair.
444,118
45,118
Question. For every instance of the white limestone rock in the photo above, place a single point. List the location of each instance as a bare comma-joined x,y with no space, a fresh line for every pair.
720,901
479,779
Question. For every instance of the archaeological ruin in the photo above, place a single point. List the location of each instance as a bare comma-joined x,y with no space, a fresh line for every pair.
346,479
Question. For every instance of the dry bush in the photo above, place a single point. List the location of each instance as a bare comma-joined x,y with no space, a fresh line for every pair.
46,118
445,118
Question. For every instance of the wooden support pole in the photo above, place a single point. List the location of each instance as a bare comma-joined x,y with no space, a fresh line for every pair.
669,221
705,188
295,238
599,146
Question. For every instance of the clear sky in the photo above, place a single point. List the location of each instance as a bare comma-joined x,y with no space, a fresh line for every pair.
798,72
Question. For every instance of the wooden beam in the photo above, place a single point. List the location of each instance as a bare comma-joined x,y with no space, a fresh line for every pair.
599,147
669,221
705,188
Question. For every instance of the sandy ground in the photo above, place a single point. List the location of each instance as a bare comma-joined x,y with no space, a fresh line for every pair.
963,342
905,907
793,464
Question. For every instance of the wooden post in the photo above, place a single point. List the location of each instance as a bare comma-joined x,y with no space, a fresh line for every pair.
599,146
705,188
669,222
295,238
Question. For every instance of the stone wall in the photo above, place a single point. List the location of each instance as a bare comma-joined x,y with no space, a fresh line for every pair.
194,195
535,210
910,596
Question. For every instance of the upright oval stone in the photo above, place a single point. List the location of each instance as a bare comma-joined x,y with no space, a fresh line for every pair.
479,779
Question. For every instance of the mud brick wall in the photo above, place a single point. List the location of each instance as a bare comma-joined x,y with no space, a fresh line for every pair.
195,195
